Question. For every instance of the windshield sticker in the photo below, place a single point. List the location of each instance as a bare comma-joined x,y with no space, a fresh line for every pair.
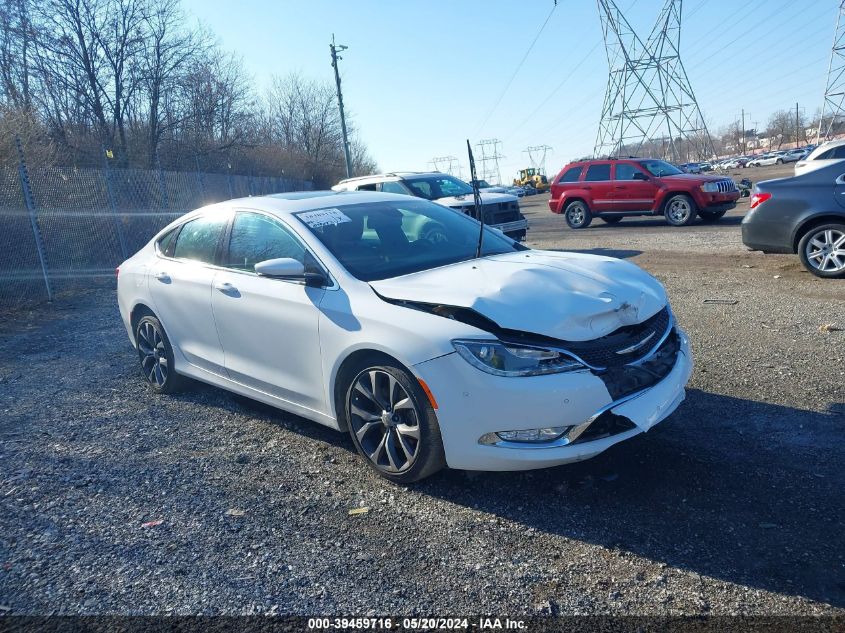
324,217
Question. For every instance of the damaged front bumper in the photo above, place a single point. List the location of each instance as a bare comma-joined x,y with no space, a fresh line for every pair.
474,405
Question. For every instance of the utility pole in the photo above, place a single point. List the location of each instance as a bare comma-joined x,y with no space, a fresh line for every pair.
335,48
743,131
796,126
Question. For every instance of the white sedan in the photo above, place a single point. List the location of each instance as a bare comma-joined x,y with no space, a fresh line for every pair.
375,314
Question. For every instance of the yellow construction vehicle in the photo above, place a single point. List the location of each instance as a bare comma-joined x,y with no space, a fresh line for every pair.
532,176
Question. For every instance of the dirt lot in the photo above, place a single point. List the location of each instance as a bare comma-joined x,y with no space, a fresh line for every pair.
732,505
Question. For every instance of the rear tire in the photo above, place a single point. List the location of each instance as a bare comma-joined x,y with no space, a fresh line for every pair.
391,421
156,355
578,215
679,210
822,251
711,216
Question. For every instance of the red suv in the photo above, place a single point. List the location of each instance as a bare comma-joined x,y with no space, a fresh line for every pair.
614,188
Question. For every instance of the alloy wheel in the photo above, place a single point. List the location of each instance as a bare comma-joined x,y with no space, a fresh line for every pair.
825,251
385,420
153,354
679,210
576,214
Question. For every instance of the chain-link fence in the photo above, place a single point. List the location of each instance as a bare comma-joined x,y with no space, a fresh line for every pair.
63,229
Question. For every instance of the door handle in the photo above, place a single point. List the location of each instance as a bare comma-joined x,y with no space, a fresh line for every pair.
225,287
621,187
163,277
587,187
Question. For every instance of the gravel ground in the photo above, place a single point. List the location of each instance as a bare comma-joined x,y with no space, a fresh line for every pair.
114,500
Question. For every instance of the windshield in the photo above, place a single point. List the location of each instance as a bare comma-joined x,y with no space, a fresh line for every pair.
434,187
661,168
380,240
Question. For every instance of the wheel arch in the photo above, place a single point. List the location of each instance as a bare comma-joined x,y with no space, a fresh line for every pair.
674,192
575,197
342,374
139,311
812,222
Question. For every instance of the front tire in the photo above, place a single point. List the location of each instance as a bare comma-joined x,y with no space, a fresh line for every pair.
822,251
679,210
156,355
391,422
578,215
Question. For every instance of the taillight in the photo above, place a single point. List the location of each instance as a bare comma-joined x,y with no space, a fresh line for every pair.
759,198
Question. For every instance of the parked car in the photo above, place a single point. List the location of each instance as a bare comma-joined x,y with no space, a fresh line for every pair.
530,190
804,214
822,156
337,307
615,188
794,155
483,185
735,163
705,166
501,210
762,159
691,168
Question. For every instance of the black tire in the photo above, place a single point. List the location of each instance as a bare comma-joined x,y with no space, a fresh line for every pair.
711,216
779,161
679,210
816,265
611,219
577,215
156,355
375,433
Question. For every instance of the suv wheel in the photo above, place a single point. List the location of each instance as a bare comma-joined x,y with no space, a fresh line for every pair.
822,251
679,210
578,215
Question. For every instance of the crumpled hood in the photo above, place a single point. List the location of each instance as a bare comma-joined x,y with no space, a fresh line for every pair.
486,198
568,296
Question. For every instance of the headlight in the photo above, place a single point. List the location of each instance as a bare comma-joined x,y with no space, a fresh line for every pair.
500,359
710,187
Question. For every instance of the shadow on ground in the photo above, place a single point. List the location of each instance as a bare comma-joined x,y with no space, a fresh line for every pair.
738,490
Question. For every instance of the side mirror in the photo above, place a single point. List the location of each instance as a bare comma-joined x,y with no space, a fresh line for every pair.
638,175
281,267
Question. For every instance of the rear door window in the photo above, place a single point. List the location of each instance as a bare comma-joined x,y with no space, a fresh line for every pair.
596,173
199,238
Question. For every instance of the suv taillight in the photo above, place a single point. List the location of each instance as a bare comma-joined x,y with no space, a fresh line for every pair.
759,198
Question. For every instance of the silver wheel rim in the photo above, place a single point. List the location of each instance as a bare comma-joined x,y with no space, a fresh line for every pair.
153,354
679,210
575,213
384,420
825,251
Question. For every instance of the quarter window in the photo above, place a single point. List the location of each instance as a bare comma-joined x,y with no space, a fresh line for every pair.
571,175
598,173
256,238
198,239
166,243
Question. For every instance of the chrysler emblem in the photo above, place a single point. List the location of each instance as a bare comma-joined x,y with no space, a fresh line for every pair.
636,346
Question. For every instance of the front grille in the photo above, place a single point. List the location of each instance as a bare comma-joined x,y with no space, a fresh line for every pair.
727,186
495,212
604,352
622,381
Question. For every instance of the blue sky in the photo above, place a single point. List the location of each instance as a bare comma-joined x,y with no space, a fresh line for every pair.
420,77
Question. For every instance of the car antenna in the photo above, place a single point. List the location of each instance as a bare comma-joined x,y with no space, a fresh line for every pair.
477,198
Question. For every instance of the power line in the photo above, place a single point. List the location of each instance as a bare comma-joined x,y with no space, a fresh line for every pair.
518,68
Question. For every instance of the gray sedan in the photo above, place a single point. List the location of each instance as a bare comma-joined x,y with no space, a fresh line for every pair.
805,215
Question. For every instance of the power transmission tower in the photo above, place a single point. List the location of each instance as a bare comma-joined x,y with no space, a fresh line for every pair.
834,92
649,105
490,155
537,156
445,164
334,49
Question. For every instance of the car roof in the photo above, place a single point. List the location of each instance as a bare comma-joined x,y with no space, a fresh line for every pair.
392,174
821,149
284,204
